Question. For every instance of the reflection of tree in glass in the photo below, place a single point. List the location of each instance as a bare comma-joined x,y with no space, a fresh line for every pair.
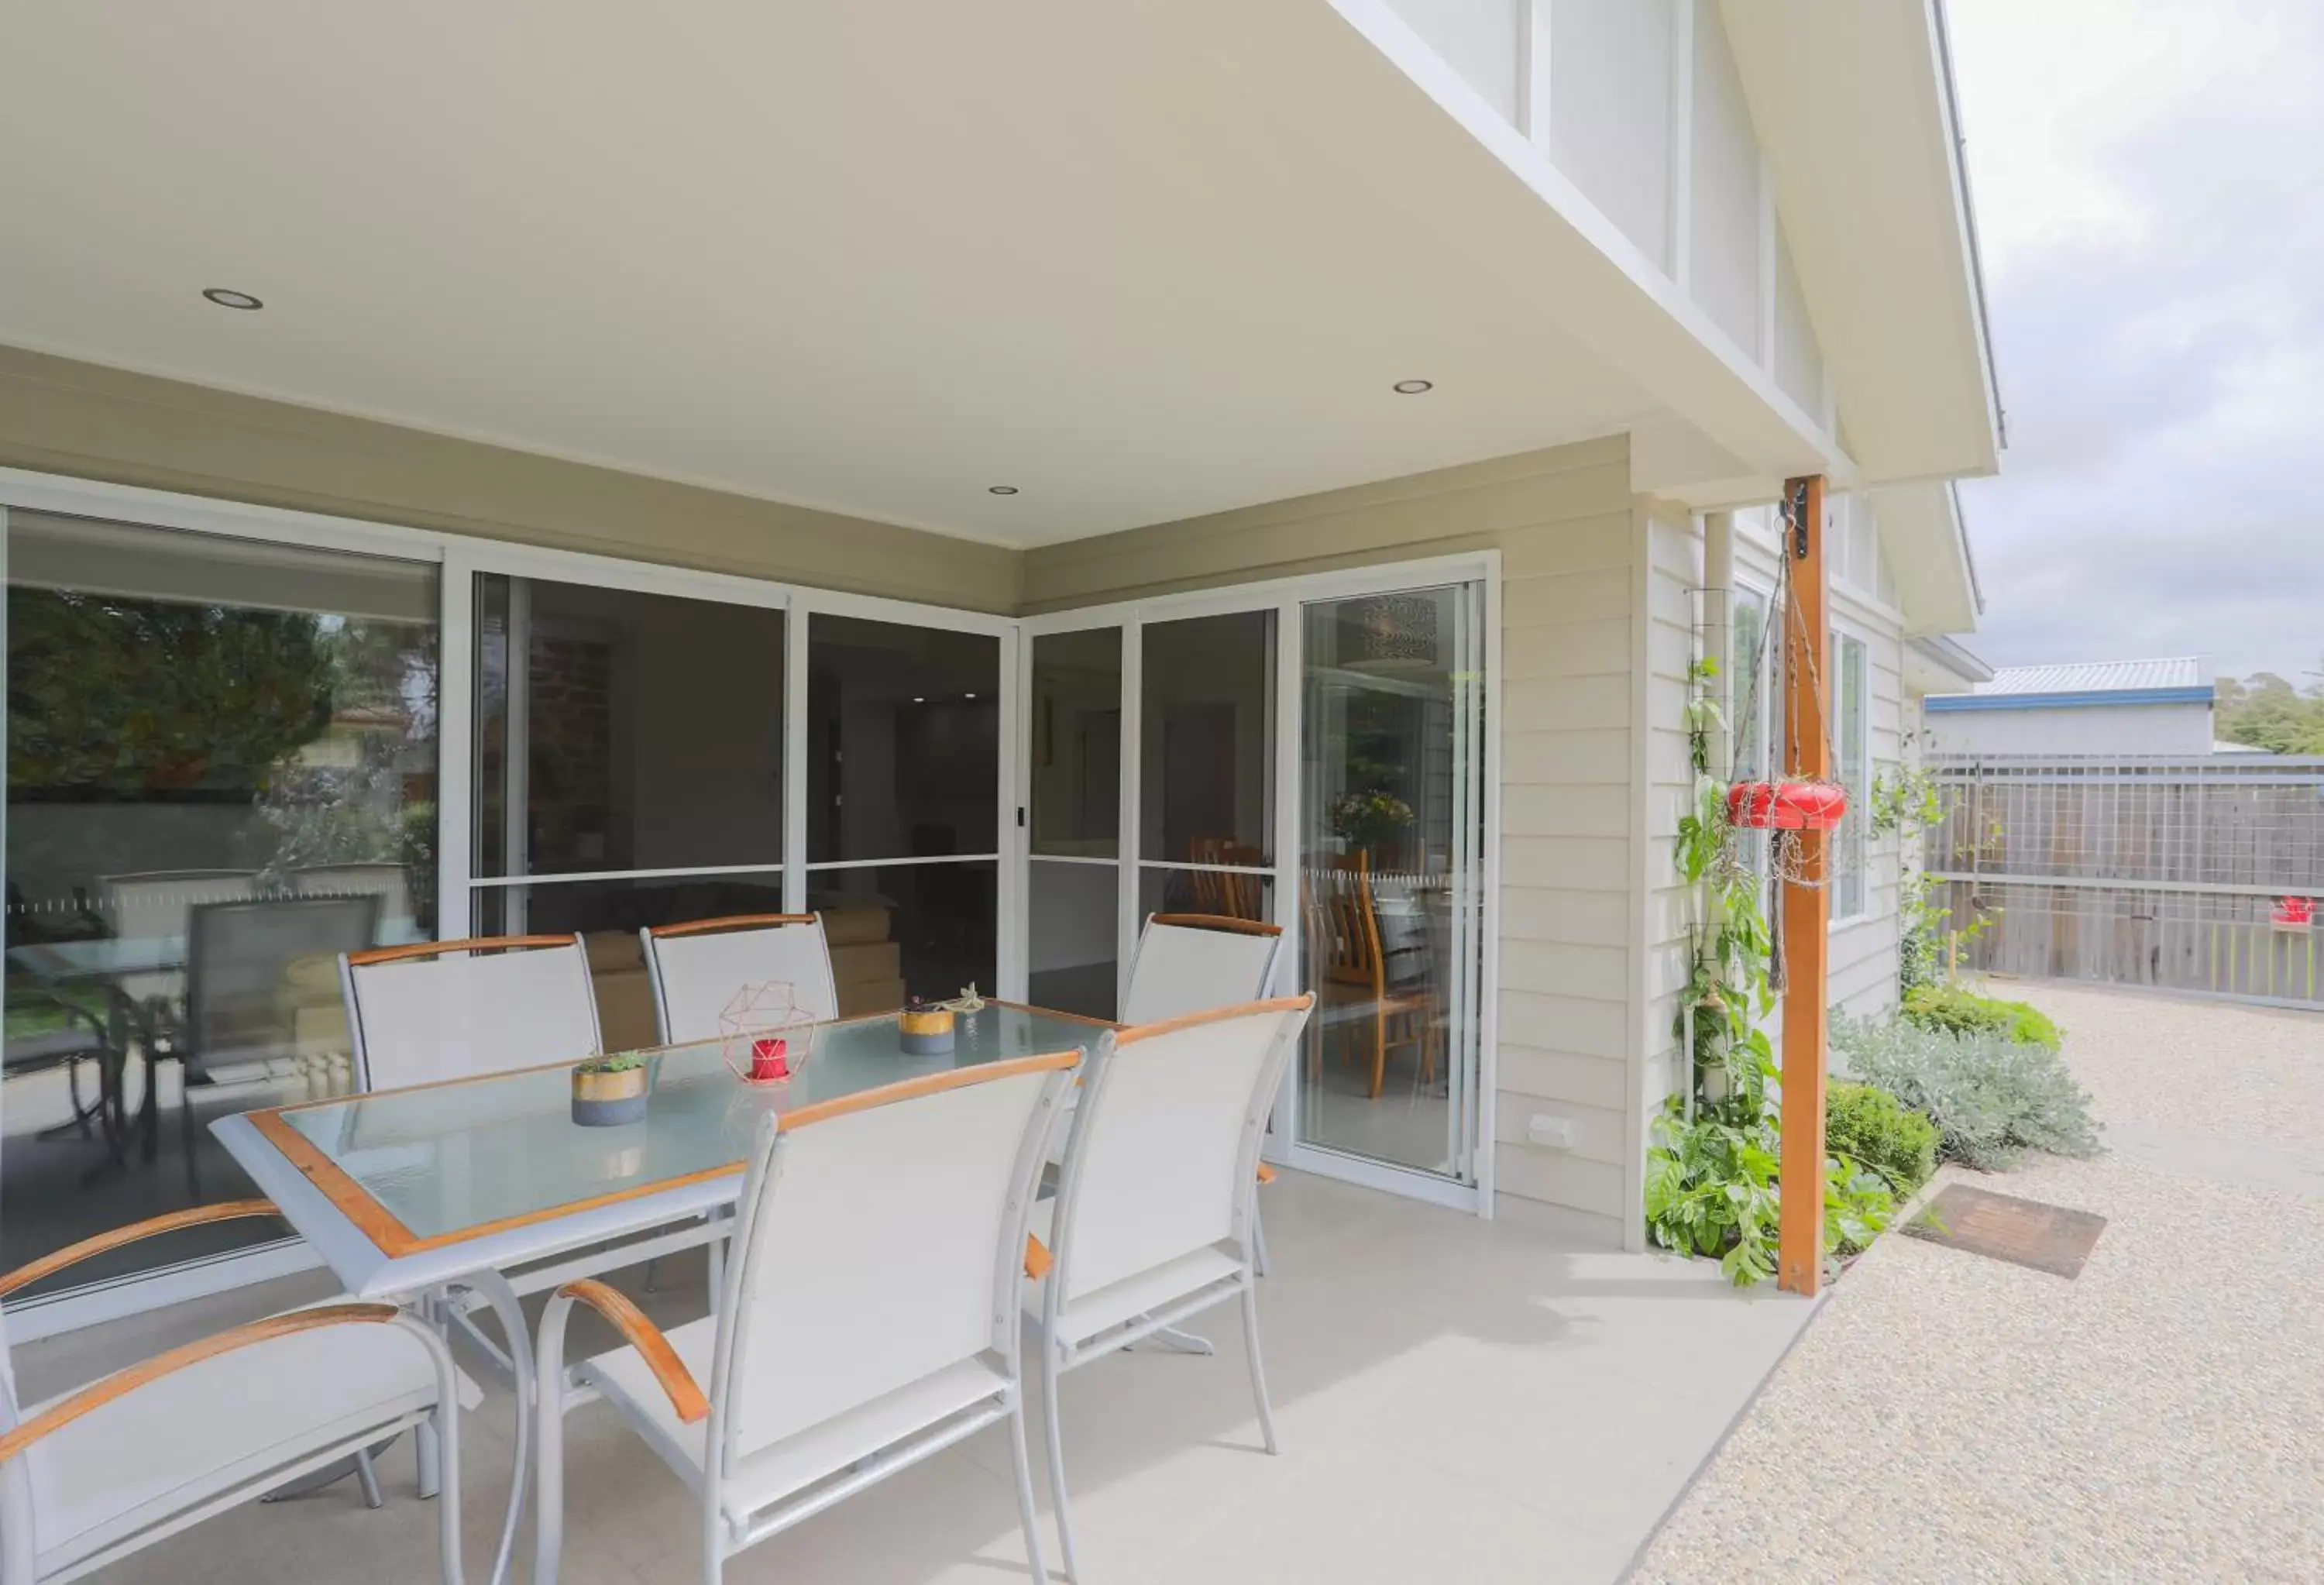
124,699
322,725
1376,807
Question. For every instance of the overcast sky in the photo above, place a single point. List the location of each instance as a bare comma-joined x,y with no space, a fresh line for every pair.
2149,179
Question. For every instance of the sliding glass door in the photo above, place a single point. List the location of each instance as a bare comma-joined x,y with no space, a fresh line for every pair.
222,772
1390,832
903,806
1073,839
1303,756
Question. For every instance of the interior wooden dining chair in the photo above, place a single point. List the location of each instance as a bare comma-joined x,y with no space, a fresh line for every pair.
1157,1210
1361,993
1225,891
700,968
93,1476
869,1320
460,1009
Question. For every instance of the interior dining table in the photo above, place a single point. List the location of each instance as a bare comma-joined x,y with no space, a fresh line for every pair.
432,1196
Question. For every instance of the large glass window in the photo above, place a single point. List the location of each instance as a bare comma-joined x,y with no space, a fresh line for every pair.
222,764
640,737
903,818
1206,786
1073,793
1391,828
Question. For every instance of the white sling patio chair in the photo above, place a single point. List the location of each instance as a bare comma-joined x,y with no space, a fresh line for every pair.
870,1316
444,1010
460,1009
1192,962
700,968
1157,1210
94,1474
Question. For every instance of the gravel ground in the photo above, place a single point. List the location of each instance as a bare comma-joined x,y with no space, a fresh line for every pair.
1950,1417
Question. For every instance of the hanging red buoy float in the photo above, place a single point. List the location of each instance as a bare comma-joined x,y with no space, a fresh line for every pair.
1787,806
2293,913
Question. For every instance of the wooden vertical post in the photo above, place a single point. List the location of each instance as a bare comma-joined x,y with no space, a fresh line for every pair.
1806,907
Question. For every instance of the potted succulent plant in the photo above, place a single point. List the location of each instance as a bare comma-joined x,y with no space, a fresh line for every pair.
610,1090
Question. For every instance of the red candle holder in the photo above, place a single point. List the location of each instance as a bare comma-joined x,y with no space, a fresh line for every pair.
770,1059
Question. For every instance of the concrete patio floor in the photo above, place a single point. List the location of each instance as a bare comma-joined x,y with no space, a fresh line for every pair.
1458,1401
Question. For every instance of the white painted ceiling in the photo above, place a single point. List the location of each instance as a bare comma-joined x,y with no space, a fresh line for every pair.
872,258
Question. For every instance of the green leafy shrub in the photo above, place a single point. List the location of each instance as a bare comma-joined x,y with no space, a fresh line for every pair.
1964,1012
1877,1130
1989,1097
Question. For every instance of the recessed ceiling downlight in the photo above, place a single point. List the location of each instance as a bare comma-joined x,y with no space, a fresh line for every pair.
225,296
1001,489
1414,387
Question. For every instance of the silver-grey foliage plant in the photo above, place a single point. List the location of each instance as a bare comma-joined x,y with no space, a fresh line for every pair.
1989,1097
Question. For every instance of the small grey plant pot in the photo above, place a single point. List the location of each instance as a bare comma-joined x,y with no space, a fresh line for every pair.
606,1100
926,1033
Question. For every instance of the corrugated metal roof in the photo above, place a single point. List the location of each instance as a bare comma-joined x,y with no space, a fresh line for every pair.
2098,677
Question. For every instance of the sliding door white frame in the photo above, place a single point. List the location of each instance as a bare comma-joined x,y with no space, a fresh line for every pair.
1287,598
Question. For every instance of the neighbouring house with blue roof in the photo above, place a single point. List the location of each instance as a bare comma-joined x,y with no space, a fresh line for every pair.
2090,707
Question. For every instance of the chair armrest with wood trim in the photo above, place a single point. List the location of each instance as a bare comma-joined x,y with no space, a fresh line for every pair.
685,1396
104,1243
96,1395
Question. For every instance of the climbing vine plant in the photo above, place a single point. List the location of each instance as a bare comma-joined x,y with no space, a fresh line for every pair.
1712,1169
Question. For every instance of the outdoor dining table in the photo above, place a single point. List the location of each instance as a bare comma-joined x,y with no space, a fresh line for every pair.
410,1195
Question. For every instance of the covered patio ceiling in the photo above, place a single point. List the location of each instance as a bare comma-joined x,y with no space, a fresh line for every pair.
1137,263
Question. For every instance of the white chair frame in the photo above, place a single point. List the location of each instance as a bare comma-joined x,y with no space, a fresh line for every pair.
660,941
438,1425
559,1390
1061,1353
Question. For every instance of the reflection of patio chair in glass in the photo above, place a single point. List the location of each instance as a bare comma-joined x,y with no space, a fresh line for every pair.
60,1033
1234,897
156,905
1363,985
391,883
241,1028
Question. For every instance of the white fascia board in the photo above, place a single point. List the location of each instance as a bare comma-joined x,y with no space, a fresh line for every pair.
1852,106
1461,168
1927,546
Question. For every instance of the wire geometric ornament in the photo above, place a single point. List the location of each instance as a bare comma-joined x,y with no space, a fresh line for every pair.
751,1028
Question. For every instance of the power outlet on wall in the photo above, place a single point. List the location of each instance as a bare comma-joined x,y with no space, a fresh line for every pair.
1556,1132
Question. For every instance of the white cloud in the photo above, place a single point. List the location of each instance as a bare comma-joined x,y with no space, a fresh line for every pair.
2150,188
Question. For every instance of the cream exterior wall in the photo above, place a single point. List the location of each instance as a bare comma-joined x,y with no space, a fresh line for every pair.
59,416
1597,637
1573,696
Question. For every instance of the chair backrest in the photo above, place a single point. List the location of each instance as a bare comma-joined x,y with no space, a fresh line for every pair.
708,975
881,1239
1342,921
1192,962
457,1009
389,883
1225,891
236,954
160,903
1164,1153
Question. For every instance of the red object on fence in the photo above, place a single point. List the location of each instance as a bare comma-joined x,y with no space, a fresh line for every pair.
769,1060
1787,806
2293,913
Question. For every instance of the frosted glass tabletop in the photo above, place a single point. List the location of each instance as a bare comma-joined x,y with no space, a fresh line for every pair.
422,1169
